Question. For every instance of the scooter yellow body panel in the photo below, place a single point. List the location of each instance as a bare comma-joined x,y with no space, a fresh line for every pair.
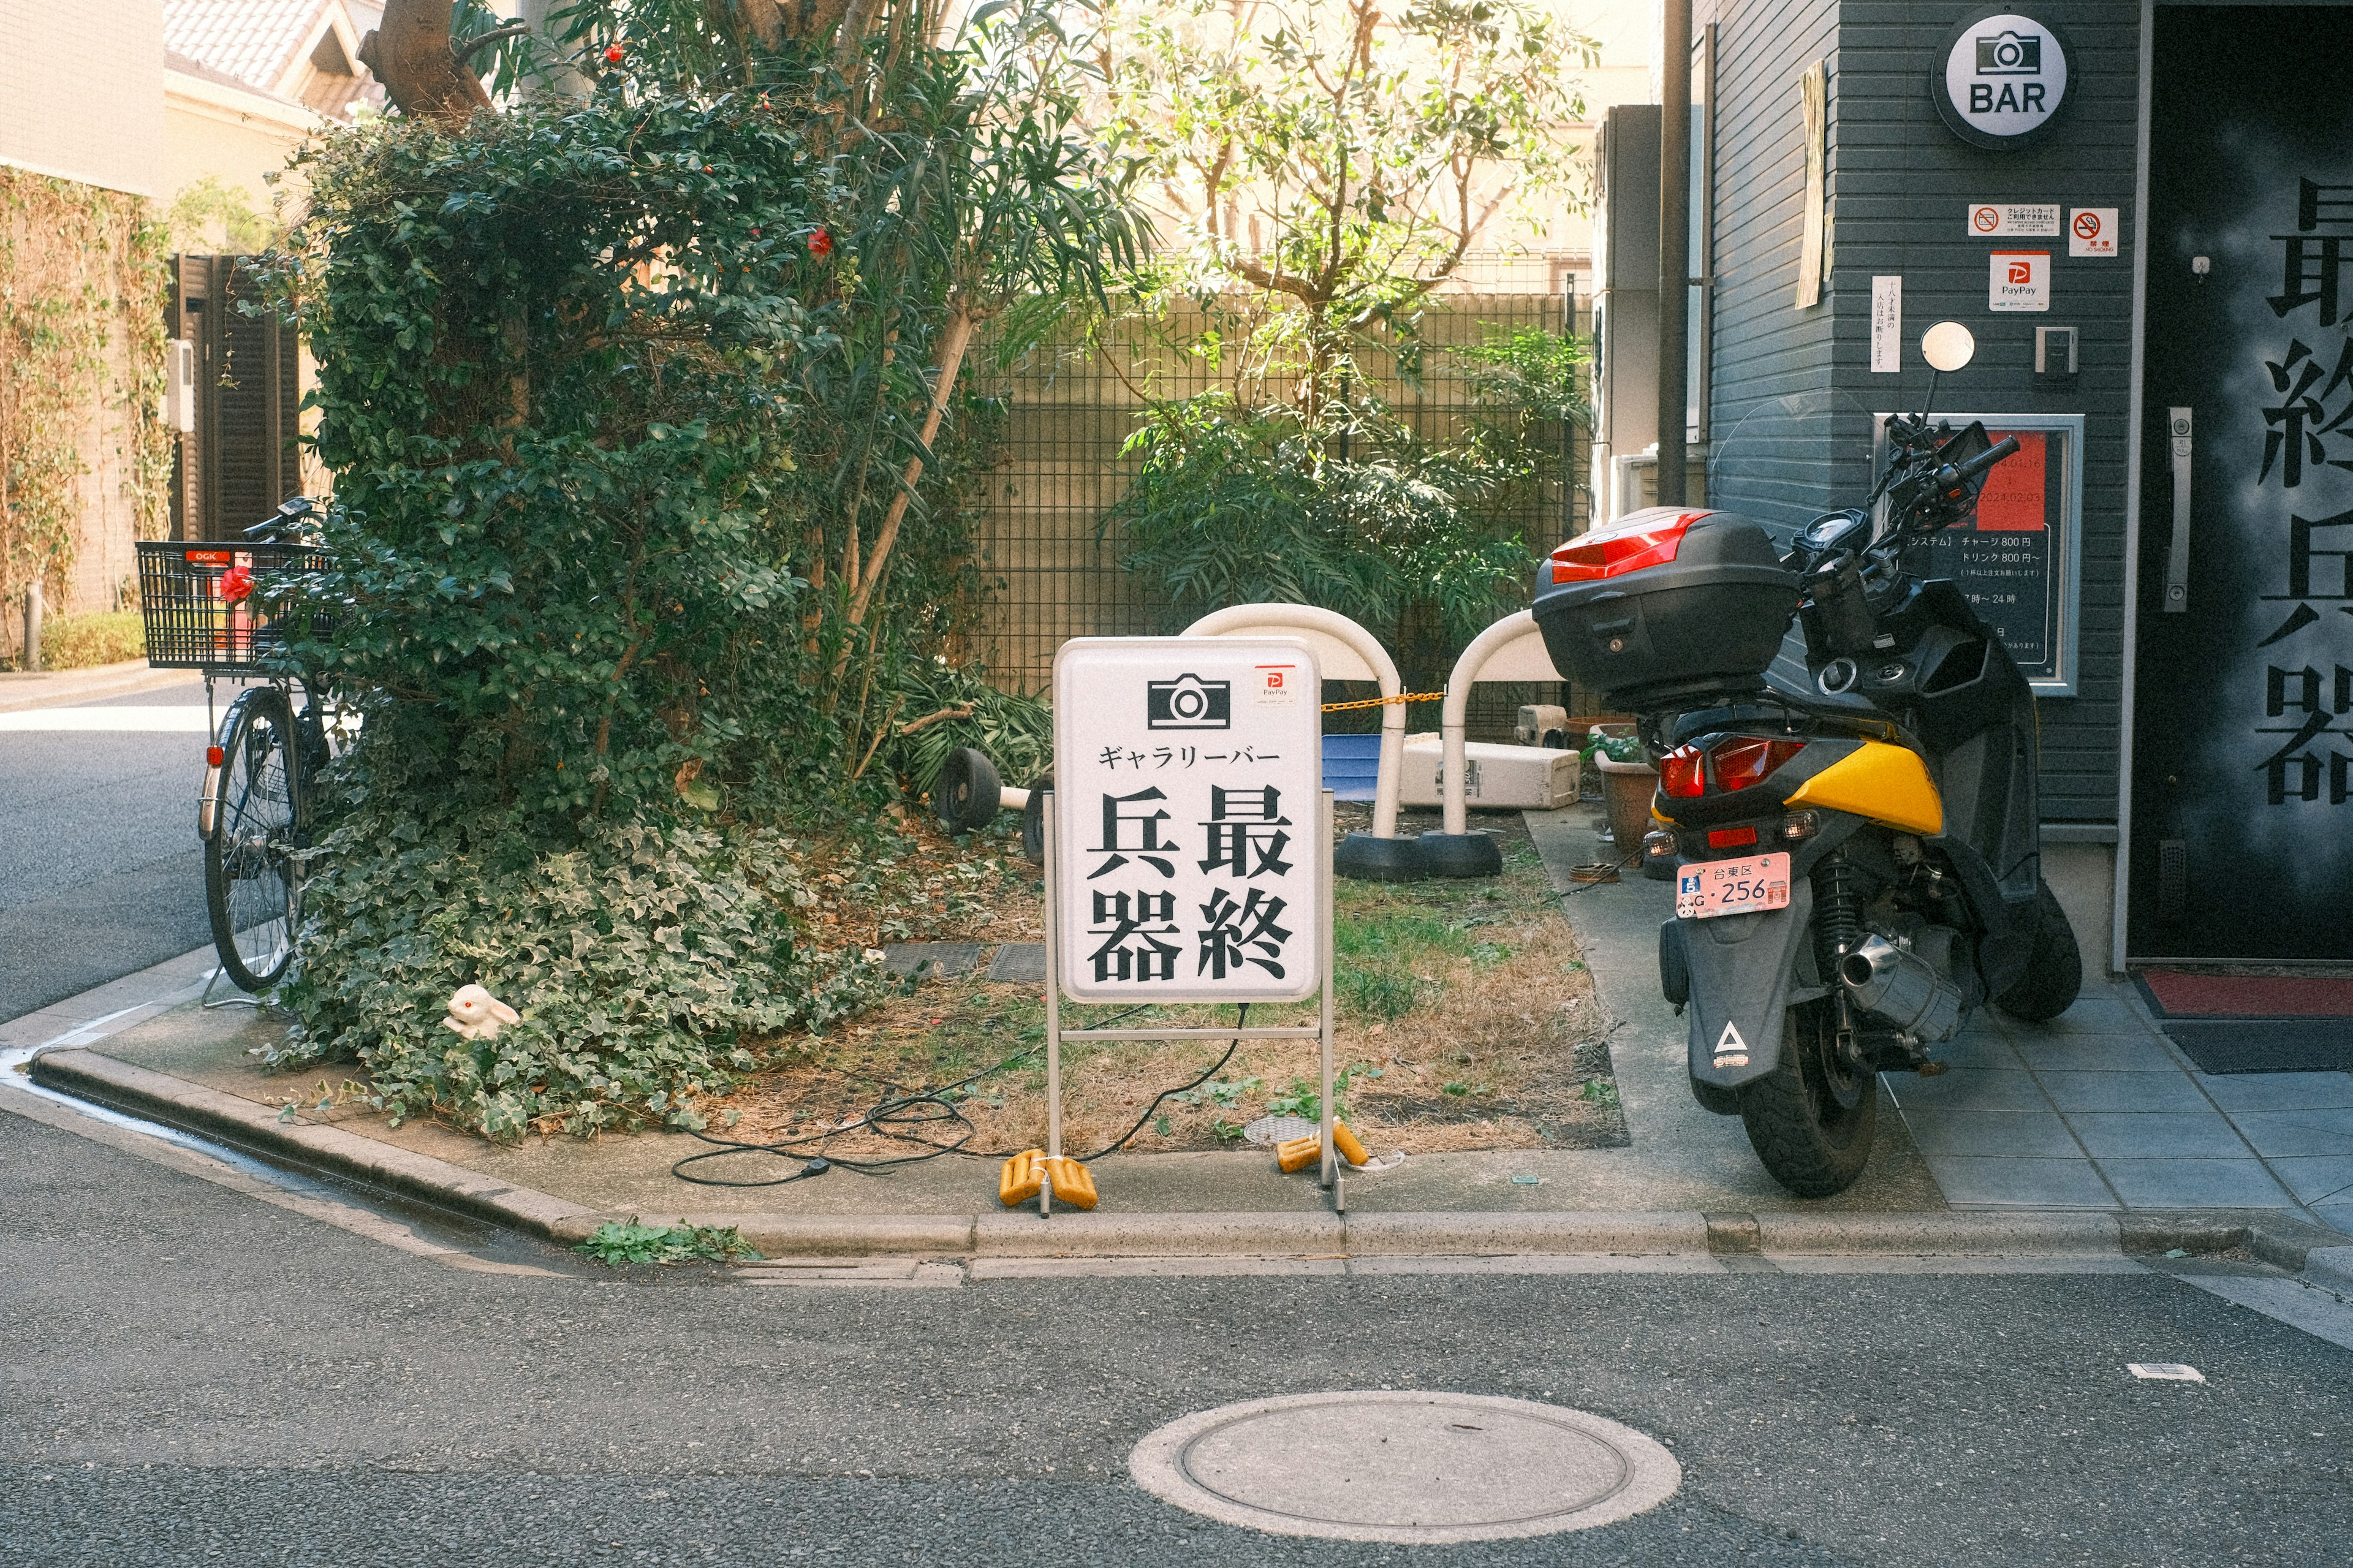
1887,783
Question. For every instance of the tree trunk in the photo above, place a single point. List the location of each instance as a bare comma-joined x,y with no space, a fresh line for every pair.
410,54
955,338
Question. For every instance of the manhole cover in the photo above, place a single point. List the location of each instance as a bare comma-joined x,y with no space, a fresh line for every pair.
1404,1467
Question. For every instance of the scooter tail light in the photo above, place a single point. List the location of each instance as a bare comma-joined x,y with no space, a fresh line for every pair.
1602,554
1750,760
1680,774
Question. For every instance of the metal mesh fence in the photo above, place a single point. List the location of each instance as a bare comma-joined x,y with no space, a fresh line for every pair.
1069,406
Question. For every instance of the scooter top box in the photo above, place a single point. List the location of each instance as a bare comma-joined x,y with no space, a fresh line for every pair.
1665,599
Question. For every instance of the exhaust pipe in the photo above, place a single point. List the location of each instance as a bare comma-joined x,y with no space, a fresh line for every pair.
1902,989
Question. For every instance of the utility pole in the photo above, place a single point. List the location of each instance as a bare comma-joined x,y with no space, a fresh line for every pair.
32,655
1674,243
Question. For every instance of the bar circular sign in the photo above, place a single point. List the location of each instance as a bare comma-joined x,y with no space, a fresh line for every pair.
2001,77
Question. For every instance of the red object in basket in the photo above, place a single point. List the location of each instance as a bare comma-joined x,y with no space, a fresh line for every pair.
235,585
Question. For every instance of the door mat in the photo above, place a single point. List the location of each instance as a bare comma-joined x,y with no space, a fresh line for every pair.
2264,1044
2178,993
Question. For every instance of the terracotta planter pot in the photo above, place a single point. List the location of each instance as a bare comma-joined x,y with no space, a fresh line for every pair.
1627,787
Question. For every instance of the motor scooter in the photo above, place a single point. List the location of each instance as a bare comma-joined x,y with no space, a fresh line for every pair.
1848,763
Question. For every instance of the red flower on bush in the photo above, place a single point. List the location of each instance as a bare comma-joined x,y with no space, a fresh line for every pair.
613,54
821,244
235,585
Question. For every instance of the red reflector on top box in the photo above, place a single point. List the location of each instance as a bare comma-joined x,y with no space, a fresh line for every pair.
1607,553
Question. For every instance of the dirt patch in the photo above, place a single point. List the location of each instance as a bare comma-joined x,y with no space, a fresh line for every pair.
1466,1021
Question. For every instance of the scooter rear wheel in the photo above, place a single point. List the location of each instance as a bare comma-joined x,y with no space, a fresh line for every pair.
1812,1118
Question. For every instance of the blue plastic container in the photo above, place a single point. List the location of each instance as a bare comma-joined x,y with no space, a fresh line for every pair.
1352,765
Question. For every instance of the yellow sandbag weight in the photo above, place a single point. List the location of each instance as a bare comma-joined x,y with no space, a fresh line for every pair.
1299,1152
1018,1181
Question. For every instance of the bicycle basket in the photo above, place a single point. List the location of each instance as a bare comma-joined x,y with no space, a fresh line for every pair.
186,602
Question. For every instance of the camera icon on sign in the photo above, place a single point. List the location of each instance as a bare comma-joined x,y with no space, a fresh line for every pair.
2008,53
1188,702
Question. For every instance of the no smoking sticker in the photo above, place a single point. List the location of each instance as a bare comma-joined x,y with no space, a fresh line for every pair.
2092,231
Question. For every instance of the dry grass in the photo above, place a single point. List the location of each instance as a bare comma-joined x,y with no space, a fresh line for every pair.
1466,1021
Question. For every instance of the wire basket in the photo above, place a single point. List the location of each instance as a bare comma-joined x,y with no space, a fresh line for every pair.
194,615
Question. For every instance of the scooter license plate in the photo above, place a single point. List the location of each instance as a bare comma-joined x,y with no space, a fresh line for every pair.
1746,887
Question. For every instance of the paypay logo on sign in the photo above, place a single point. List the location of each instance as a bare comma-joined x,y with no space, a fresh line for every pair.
1186,864
2020,281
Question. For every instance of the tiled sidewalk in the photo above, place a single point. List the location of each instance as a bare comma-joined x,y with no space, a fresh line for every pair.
2098,1110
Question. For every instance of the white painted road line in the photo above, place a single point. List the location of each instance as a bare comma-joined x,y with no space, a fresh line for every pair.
130,719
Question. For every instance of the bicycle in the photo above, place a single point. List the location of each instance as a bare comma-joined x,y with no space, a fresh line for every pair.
196,602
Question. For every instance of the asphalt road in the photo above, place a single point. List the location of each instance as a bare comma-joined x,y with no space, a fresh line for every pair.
199,1377
99,871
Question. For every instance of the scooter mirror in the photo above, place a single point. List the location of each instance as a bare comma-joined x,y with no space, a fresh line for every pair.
1947,346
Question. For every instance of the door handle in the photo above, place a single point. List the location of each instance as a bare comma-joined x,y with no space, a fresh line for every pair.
2176,559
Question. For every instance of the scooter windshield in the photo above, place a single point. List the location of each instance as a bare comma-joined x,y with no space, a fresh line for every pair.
1783,461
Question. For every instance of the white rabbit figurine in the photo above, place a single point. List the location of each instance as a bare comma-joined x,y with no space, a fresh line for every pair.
477,1014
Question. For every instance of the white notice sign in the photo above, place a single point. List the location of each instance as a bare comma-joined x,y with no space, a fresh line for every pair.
2092,231
1187,805
1886,324
1996,220
2020,280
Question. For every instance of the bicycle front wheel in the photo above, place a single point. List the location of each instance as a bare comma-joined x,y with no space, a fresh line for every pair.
250,878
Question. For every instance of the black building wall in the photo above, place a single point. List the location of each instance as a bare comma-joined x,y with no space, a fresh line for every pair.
1899,184
1769,363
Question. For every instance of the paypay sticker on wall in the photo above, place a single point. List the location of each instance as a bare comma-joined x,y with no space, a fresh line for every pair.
2019,280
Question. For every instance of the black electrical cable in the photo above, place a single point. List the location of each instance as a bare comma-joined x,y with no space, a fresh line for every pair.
888,1117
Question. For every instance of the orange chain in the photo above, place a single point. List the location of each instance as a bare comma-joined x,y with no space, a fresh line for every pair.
1382,702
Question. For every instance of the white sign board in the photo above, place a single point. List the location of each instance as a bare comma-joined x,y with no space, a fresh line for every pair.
1187,804
2000,79
1886,324
2092,231
2019,280
1996,220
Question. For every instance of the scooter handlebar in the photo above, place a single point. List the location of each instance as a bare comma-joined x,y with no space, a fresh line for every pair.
1964,472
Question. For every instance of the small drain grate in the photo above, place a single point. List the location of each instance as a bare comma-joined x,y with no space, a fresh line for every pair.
1404,1467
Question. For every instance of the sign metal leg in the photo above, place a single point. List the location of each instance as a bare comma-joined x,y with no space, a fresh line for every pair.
1053,1019
1324,1031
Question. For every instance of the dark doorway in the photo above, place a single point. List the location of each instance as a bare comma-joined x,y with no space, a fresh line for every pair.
2242,764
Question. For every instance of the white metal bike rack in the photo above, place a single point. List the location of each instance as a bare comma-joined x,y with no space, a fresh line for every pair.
1344,651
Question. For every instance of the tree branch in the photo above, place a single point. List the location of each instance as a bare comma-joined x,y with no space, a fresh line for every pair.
480,41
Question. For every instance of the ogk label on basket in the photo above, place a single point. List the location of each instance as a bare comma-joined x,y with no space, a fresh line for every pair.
1188,794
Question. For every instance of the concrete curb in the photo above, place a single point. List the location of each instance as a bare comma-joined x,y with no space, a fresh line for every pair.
2330,1269
50,689
1624,1233
2322,1255
326,1149
1937,1235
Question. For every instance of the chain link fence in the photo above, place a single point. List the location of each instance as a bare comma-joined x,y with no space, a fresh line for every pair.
1069,407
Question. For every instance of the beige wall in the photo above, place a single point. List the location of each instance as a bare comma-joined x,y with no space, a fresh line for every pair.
236,137
81,91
